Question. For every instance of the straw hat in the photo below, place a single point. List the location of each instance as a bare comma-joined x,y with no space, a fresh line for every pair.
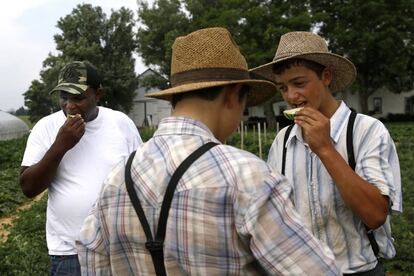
309,46
208,58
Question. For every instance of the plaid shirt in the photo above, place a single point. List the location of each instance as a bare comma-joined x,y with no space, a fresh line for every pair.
318,200
230,214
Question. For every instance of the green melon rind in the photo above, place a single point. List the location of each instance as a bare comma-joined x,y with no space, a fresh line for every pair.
290,113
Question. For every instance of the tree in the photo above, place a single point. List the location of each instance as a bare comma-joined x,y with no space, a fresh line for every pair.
255,26
377,36
160,25
37,98
21,111
120,80
108,43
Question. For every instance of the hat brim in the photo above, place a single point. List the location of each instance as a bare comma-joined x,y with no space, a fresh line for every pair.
344,71
71,88
261,90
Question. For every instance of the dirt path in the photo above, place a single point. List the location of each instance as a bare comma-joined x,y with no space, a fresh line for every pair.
5,221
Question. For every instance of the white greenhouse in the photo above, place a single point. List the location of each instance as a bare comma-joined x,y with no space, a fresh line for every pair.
11,127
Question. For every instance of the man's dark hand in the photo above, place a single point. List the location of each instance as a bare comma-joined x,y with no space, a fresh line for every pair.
70,132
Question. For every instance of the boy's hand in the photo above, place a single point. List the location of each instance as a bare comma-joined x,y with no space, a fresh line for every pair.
315,129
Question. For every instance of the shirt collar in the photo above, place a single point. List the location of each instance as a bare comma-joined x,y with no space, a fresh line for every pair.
338,121
295,132
184,126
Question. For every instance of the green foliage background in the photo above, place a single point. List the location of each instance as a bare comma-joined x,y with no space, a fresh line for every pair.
377,35
25,252
11,153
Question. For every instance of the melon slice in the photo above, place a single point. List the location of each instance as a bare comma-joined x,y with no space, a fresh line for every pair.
290,113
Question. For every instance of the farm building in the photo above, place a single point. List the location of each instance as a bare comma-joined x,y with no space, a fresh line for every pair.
148,111
11,127
381,104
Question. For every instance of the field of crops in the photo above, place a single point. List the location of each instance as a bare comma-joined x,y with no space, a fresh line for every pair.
24,252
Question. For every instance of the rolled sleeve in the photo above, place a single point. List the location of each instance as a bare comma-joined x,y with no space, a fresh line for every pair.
93,254
379,166
279,240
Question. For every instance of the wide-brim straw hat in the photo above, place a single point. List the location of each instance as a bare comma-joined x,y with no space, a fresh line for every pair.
310,46
210,58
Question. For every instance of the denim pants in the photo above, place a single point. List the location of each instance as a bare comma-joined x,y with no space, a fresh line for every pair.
64,265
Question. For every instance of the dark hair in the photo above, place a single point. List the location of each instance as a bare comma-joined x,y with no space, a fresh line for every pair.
244,90
209,93
280,67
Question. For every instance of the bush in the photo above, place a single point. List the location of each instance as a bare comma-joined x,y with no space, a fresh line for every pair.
403,225
25,251
146,133
11,154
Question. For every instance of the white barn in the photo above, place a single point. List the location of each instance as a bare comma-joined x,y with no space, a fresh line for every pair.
148,111
383,102
380,104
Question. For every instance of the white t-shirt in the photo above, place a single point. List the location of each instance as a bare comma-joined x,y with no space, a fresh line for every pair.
108,138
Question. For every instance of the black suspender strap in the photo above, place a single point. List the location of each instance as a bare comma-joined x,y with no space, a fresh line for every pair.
156,246
134,198
349,140
285,138
352,164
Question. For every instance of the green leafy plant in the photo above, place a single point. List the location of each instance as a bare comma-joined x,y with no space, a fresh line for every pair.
11,153
25,251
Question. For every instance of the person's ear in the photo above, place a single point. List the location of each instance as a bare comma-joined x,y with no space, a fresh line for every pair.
98,94
327,76
231,95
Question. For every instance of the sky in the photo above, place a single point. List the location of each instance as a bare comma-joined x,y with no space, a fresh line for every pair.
26,35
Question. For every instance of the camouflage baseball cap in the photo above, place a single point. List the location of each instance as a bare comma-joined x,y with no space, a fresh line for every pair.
76,77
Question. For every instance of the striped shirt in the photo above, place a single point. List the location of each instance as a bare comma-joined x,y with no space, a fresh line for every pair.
230,214
318,200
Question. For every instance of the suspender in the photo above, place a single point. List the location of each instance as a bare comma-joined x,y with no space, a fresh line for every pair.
351,162
155,246
284,147
349,140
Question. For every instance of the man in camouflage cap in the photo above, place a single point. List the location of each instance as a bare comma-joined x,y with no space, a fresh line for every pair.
78,80
77,76
70,153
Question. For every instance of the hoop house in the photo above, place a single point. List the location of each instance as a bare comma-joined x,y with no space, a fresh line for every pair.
11,127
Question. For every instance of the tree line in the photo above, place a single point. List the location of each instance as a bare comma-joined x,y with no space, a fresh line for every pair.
377,35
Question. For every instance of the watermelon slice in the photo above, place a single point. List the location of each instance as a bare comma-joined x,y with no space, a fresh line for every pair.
290,113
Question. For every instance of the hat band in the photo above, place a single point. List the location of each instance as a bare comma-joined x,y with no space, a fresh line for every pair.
209,74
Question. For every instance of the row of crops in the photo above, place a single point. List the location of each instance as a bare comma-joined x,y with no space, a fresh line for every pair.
24,252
